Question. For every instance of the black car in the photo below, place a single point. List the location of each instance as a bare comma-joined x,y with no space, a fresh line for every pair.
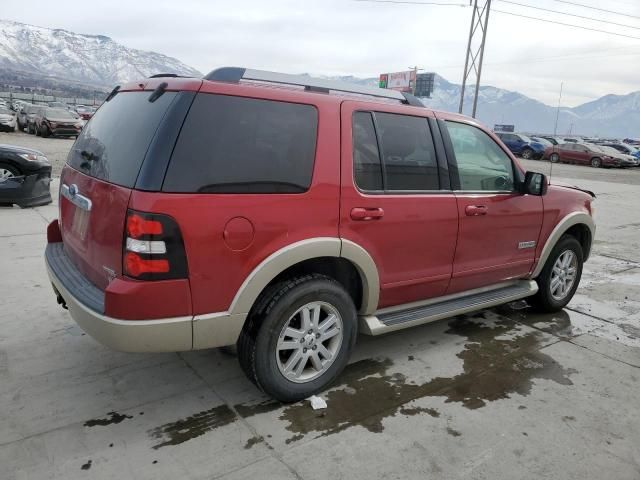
25,175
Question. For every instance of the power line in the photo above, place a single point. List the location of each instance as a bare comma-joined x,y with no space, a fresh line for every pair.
596,8
566,24
569,14
409,2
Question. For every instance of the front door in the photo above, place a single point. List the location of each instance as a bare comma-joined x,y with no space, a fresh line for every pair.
499,227
393,202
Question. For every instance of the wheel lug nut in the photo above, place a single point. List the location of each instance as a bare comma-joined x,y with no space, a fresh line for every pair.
302,340
310,331
304,350
314,347
317,335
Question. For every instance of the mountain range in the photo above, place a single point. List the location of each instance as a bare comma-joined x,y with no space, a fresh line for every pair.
46,55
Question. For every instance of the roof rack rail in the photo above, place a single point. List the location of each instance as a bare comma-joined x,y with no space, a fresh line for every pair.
163,75
235,74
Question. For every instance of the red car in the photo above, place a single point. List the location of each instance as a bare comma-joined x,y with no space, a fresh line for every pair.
582,154
285,215
85,113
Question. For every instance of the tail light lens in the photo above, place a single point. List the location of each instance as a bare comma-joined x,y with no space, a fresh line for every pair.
153,248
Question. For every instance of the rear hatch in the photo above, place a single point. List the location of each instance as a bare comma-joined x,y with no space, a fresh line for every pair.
102,169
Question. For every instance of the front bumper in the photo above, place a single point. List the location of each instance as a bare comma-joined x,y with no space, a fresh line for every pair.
85,303
65,131
27,190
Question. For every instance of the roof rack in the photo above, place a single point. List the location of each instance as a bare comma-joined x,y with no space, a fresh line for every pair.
235,74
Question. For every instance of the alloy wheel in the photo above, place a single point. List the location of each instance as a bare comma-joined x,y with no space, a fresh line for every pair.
5,174
563,275
309,342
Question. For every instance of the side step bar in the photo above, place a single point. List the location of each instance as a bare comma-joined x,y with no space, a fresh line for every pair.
389,320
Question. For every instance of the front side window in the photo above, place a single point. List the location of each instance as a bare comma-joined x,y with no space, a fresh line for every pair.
482,164
243,145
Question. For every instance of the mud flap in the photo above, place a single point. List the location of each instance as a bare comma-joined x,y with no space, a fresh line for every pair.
26,190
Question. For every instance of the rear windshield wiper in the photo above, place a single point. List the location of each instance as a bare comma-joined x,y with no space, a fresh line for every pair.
113,93
158,92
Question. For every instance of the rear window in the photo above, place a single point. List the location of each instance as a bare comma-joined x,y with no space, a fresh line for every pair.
112,146
244,145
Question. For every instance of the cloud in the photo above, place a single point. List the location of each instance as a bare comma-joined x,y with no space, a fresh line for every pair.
363,39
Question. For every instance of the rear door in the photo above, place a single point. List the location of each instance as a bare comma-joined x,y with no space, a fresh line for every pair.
96,183
395,201
499,227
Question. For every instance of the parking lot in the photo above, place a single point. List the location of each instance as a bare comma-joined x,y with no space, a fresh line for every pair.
503,393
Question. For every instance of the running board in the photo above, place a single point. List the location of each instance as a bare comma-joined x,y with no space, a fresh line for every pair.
388,320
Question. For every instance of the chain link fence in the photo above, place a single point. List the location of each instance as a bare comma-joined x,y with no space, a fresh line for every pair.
44,99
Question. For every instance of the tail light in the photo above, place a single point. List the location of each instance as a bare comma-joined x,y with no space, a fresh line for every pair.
153,248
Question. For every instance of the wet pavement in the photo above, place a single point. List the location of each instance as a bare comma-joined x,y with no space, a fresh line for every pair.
500,394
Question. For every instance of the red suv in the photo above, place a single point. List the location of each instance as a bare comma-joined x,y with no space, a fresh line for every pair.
284,215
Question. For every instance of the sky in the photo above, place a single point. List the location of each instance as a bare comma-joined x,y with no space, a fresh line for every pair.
363,38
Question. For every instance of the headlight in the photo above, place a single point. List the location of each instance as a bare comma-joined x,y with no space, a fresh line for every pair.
32,157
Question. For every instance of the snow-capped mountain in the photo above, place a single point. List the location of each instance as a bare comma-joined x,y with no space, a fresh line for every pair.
28,52
90,59
608,116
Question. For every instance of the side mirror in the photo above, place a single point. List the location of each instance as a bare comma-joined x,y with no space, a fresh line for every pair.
534,184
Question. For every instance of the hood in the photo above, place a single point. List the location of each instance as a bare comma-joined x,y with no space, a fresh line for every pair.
18,150
62,120
572,187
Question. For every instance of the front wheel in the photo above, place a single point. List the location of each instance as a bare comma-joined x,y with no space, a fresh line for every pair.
596,162
299,338
559,279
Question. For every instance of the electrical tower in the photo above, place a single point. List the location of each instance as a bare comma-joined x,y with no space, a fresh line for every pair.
475,52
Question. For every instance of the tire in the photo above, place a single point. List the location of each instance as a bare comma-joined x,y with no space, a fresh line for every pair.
37,131
545,300
596,162
8,171
554,158
281,306
44,132
527,154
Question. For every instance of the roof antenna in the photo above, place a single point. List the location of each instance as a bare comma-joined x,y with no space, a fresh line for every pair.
555,128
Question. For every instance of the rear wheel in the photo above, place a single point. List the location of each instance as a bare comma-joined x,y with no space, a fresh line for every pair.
560,276
596,162
527,154
299,338
554,158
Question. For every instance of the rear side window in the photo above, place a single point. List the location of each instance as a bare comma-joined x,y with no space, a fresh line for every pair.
244,145
112,146
408,155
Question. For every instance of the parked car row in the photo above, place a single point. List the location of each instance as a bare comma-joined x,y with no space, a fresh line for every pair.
49,120
578,150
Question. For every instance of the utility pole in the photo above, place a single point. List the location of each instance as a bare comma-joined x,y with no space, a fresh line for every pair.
475,53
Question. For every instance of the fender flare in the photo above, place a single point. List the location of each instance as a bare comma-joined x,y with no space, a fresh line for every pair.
560,229
303,250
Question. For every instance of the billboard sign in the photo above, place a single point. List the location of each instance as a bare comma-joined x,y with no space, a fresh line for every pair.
400,81
424,85
504,128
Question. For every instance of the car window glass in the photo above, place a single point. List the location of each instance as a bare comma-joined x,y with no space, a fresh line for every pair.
366,158
408,154
244,145
482,164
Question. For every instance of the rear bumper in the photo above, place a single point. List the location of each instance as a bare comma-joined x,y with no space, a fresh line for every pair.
86,304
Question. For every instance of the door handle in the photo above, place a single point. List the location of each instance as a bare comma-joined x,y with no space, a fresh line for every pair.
360,213
475,210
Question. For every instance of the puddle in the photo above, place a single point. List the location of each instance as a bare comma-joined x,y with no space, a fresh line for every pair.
496,364
113,418
180,431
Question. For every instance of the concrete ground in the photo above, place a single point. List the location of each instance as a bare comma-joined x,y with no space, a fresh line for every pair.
501,394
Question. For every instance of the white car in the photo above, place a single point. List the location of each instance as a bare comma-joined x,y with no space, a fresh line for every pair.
7,119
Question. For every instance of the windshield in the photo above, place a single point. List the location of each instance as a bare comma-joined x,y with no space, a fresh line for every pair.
58,113
525,138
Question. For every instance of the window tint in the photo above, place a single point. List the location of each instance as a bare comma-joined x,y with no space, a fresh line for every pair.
408,153
112,146
366,158
482,165
243,145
